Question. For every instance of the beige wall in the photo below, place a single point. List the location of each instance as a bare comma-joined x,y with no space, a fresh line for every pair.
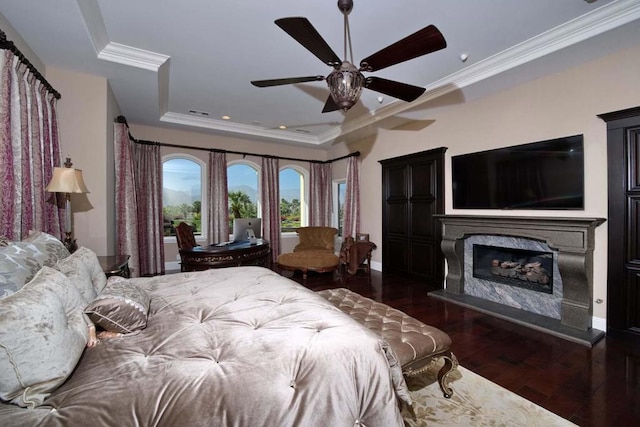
85,117
558,105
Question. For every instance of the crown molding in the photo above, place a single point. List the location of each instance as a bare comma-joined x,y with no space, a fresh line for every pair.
132,56
92,17
598,21
238,129
589,25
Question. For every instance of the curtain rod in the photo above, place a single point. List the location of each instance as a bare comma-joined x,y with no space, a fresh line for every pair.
9,45
122,119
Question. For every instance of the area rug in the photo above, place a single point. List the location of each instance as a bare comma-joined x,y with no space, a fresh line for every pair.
476,401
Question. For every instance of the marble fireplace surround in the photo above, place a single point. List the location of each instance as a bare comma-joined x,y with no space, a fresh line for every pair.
572,238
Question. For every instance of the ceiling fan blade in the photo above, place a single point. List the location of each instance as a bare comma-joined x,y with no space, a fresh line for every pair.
330,105
427,40
287,81
398,90
305,34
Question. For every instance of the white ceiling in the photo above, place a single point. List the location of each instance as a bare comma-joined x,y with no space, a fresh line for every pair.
164,58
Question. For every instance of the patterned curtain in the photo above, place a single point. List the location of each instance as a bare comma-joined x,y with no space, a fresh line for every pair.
270,187
148,179
320,199
29,150
351,218
138,174
218,197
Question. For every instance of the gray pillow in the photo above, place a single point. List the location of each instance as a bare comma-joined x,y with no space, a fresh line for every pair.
20,261
121,307
75,268
90,259
51,247
42,335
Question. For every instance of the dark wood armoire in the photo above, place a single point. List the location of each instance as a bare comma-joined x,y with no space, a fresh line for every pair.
412,193
623,266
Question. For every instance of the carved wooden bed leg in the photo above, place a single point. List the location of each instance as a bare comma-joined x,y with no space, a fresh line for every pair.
450,363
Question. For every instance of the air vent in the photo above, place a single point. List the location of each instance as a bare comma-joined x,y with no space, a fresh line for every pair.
199,113
302,131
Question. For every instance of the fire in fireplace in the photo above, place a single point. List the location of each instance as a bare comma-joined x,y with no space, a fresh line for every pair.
523,268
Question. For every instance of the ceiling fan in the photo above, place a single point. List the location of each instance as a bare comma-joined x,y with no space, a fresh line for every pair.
346,81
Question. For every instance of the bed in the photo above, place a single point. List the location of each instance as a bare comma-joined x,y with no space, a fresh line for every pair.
240,346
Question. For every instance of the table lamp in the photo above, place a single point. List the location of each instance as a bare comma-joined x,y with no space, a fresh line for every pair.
67,180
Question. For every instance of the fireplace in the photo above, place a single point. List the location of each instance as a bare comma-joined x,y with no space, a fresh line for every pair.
524,268
562,305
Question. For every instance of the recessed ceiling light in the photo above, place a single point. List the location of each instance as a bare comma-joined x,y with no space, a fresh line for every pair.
226,118
282,127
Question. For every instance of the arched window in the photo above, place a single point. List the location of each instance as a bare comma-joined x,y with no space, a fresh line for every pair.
293,200
182,193
242,185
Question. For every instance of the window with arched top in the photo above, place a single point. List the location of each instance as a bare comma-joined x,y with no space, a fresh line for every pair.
243,190
293,200
182,193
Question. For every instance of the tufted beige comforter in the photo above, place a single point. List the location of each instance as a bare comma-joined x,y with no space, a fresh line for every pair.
230,347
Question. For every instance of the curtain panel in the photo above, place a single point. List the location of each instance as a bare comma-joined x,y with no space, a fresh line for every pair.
351,217
218,198
270,191
320,194
29,150
139,221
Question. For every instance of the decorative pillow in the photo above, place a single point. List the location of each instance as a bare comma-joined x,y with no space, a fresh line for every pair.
50,246
90,259
42,335
19,262
77,272
121,307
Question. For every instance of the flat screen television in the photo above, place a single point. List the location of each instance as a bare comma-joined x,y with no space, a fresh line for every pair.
540,175
242,225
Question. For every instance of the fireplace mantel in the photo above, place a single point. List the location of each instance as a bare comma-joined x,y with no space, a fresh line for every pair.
573,238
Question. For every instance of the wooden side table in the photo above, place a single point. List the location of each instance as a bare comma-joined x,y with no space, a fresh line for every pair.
115,265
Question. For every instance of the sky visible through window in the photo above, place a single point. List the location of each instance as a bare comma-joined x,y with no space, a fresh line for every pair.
181,174
184,174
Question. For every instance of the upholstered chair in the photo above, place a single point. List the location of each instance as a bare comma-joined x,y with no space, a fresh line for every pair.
316,239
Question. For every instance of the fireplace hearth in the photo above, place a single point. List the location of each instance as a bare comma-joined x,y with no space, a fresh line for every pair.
527,269
566,311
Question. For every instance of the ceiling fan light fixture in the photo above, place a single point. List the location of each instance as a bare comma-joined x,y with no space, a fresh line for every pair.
345,85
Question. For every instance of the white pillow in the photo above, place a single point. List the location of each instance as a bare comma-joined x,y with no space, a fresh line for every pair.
42,335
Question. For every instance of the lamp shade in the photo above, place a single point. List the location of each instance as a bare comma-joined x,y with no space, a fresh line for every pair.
67,180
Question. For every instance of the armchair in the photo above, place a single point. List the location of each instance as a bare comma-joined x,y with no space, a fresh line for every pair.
316,239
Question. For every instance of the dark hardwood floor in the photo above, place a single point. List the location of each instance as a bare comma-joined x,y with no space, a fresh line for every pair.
598,386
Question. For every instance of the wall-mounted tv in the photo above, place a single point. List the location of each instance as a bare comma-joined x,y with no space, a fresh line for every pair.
541,175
